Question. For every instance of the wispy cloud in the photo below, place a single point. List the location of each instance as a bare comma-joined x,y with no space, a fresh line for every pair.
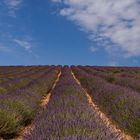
107,21
56,0
4,49
93,49
24,44
13,6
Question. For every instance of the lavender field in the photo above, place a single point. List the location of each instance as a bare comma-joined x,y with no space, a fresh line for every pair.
69,103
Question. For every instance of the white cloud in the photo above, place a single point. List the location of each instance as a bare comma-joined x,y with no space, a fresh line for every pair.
4,49
93,49
56,0
115,21
24,44
27,44
13,6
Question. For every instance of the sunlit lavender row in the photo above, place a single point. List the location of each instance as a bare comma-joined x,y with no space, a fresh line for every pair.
121,104
68,113
17,108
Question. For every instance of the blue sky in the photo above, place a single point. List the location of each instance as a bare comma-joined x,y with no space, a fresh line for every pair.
69,32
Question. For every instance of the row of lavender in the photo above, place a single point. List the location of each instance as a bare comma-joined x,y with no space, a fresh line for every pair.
121,104
19,74
131,72
123,78
9,73
11,69
68,115
18,108
20,79
9,76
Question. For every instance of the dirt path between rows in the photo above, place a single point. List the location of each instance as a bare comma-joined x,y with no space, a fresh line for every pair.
111,127
45,100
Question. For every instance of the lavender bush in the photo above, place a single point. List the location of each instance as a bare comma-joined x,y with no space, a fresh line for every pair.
20,106
68,115
119,103
122,80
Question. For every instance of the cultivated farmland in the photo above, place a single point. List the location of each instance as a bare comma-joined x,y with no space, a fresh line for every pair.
69,103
